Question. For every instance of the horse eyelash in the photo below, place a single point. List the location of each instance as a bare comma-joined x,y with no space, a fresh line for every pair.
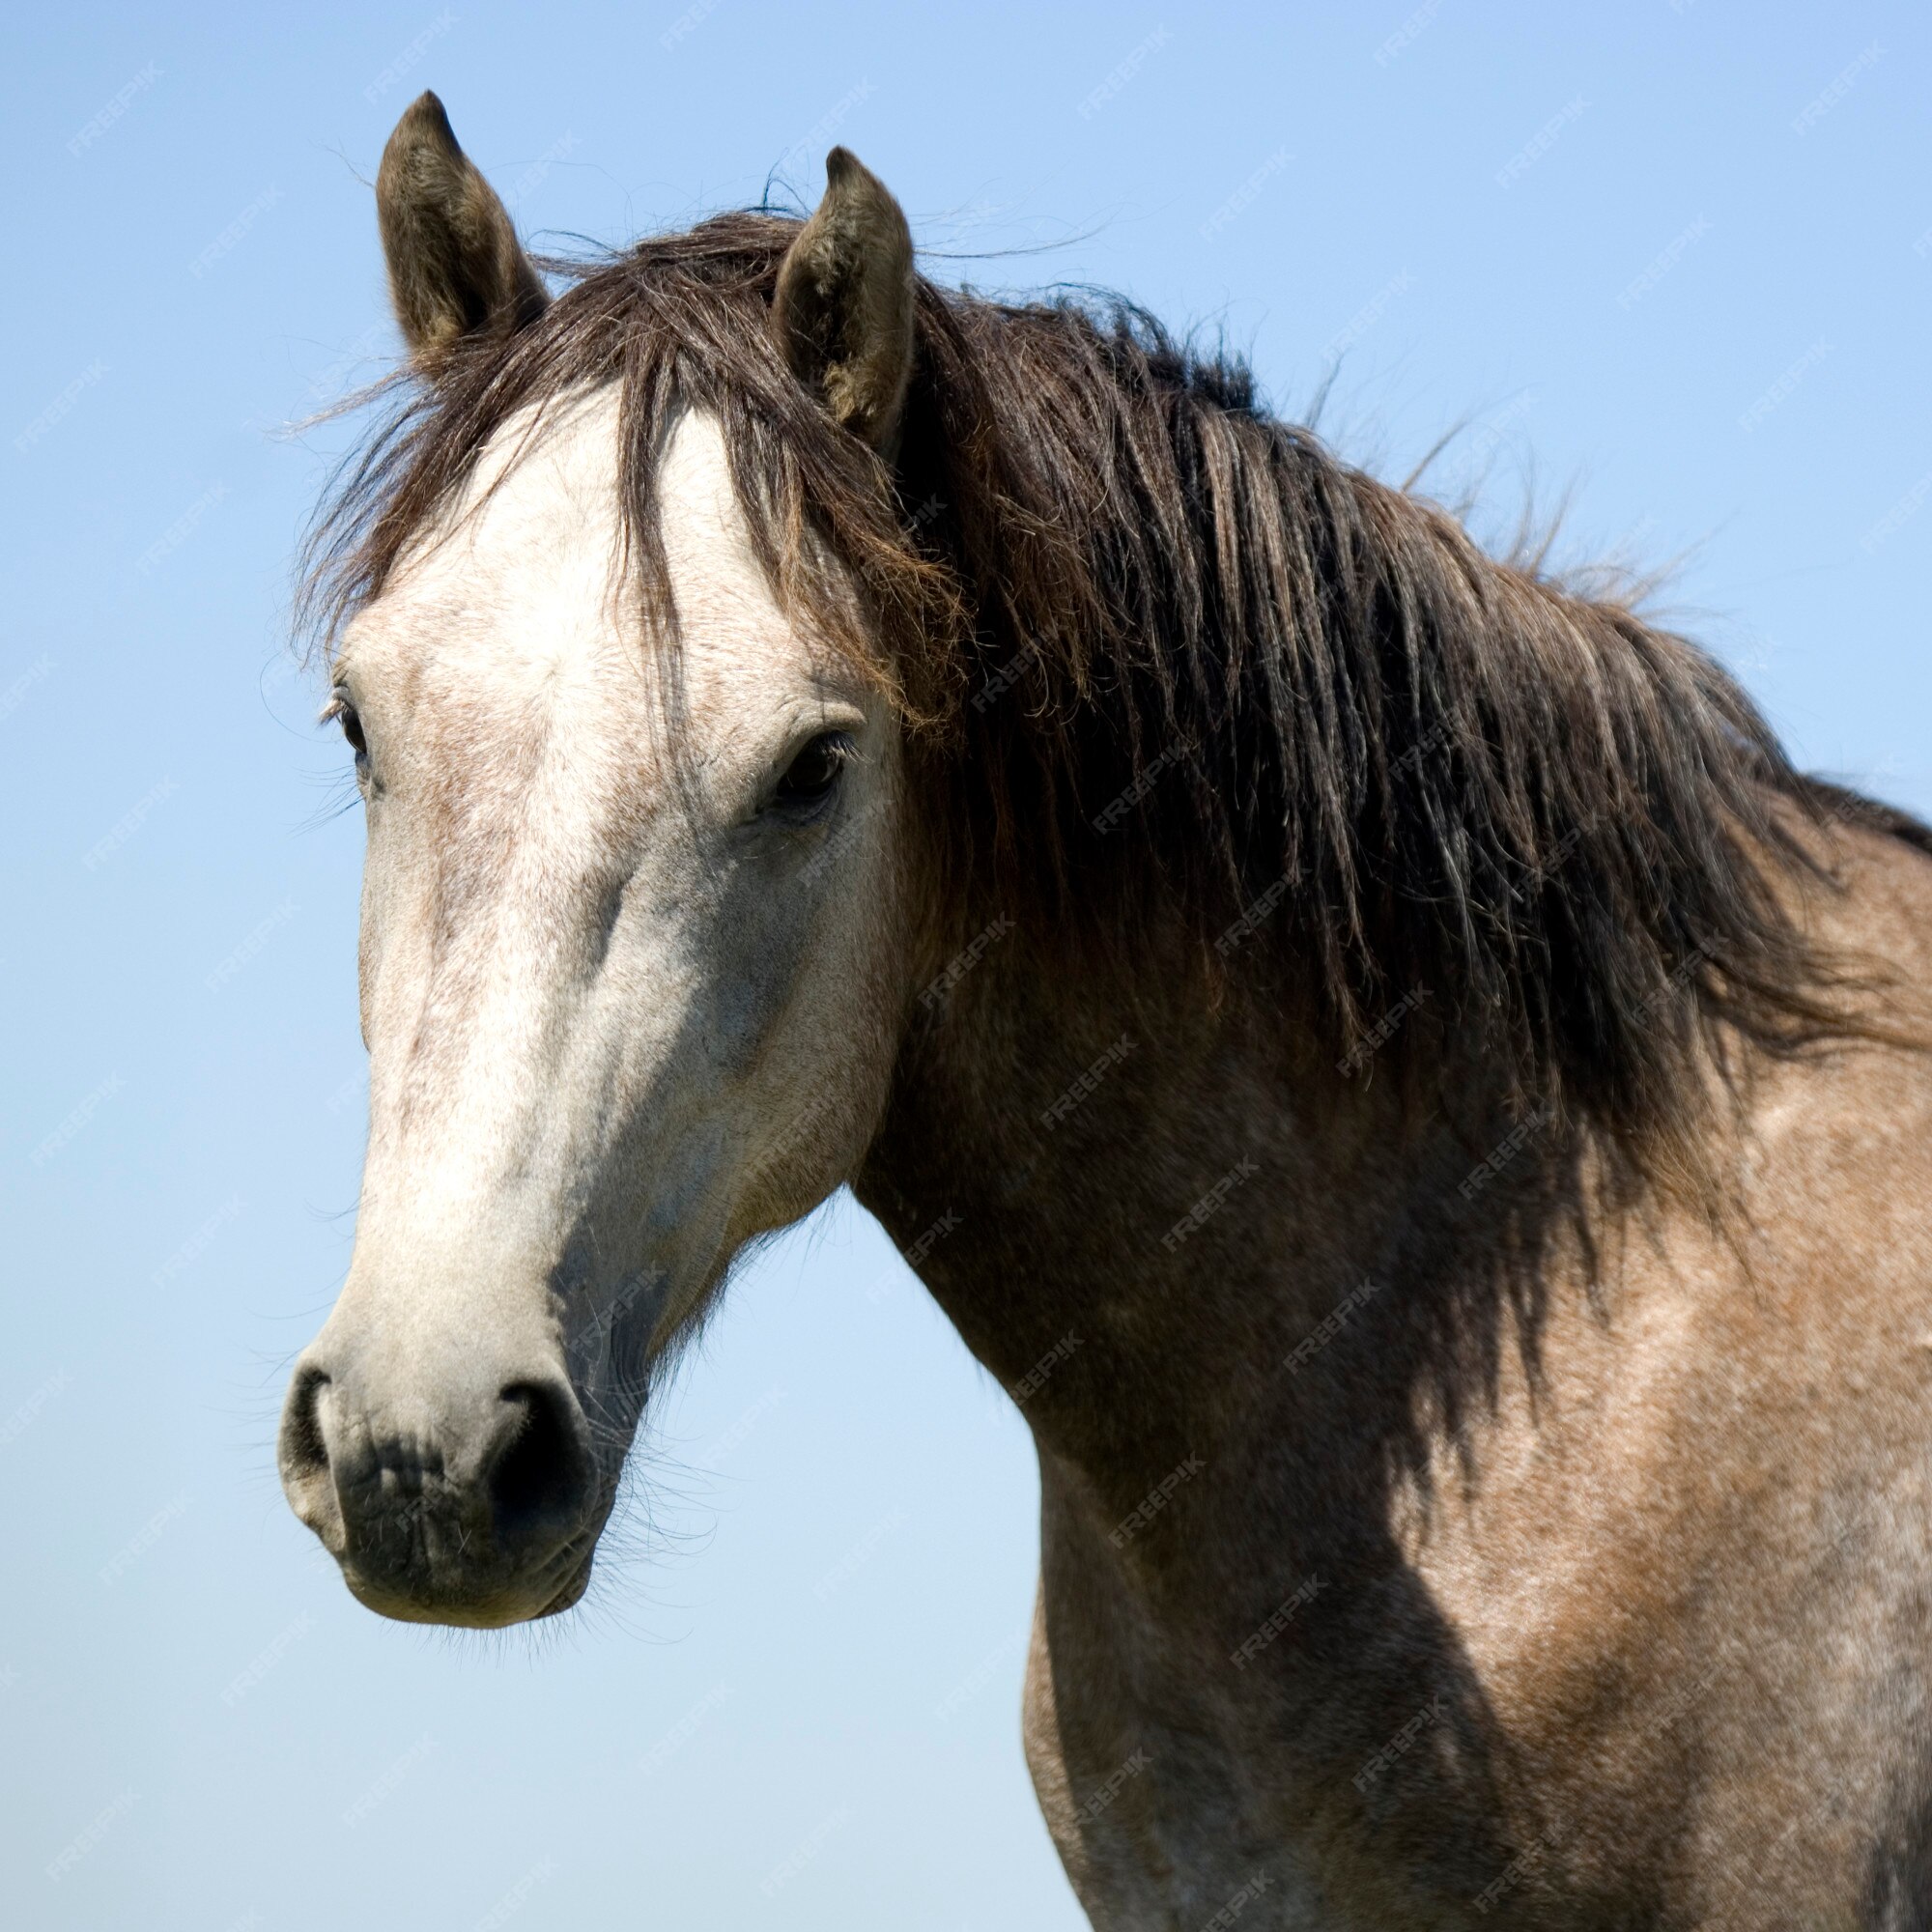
841,744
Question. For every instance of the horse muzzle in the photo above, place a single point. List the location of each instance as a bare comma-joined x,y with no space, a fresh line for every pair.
469,1497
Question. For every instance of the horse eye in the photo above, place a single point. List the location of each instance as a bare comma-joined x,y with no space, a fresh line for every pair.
345,714
809,779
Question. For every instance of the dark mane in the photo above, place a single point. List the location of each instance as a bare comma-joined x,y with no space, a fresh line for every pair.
1164,655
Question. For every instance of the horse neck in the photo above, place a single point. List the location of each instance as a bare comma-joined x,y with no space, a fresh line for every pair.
1162,1231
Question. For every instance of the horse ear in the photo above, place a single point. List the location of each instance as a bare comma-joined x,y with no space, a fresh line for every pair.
455,264
843,310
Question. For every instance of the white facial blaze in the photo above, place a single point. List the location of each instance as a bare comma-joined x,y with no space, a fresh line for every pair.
604,1007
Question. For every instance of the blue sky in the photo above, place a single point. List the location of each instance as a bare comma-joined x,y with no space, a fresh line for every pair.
1676,258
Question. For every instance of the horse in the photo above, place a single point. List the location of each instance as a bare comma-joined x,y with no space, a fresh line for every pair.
1372,1043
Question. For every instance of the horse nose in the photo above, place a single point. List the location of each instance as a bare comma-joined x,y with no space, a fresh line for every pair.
537,1470
442,1508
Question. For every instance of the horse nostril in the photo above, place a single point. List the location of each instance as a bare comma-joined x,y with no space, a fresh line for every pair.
541,1478
303,1449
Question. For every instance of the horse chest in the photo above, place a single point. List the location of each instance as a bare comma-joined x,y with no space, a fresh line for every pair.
1178,1811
